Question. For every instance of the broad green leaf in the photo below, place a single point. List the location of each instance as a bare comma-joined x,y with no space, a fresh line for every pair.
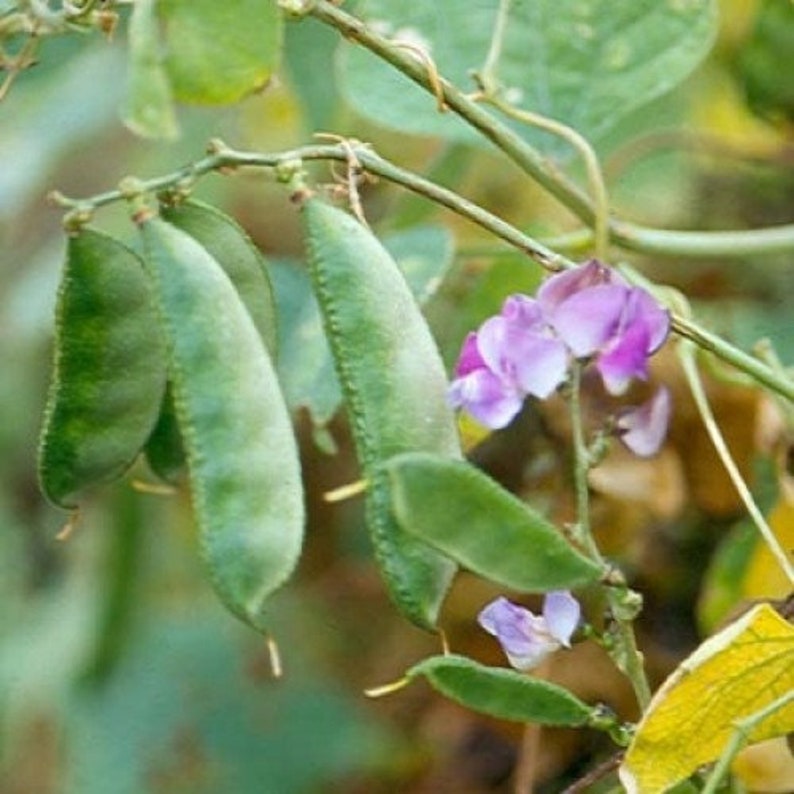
306,369
502,693
467,515
149,109
732,675
587,64
217,53
769,89
309,52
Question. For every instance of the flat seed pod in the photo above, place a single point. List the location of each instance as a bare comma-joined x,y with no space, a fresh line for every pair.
242,456
165,449
109,369
227,242
230,246
394,385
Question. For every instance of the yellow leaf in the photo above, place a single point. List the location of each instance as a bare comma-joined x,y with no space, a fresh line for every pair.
732,675
764,577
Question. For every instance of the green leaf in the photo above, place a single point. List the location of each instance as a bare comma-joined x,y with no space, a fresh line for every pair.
587,64
309,51
505,694
149,109
769,89
217,53
464,513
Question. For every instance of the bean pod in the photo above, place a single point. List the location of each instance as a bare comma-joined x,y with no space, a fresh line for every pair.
394,385
227,242
242,457
109,369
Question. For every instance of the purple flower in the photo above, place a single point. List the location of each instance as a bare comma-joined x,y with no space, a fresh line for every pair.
512,355
586,312
527,639
642,429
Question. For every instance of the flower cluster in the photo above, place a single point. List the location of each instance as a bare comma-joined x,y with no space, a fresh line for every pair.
586,313
527,639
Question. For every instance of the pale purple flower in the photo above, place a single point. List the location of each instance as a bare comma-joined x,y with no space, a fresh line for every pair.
597,313
587,312
512,355
643,429
527,639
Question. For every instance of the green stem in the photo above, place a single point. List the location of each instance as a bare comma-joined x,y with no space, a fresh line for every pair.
687,357
595,176
739,739
221,157
582,532
487,75
542,169
626,654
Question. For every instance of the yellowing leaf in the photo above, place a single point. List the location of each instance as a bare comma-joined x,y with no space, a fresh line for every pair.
763,577
732,675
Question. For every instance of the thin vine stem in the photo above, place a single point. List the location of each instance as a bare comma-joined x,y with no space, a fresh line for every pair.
626,654
687,358
543,170
487,75
221,159
739,739
595,176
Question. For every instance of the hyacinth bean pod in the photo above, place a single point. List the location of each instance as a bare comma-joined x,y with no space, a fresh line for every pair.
394,385
109,369
230,246
243,466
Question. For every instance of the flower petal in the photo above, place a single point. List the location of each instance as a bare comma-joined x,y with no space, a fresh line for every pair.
589,319
624,359
486,397
563,285
643,429
540,365
522,635
562,613
523,311
469,358
642,307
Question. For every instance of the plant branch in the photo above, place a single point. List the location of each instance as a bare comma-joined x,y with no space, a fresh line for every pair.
542,169
625,653
739,739
221,158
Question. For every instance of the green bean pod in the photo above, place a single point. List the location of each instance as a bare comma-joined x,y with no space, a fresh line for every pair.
230,246
109,369
242,457
394,385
